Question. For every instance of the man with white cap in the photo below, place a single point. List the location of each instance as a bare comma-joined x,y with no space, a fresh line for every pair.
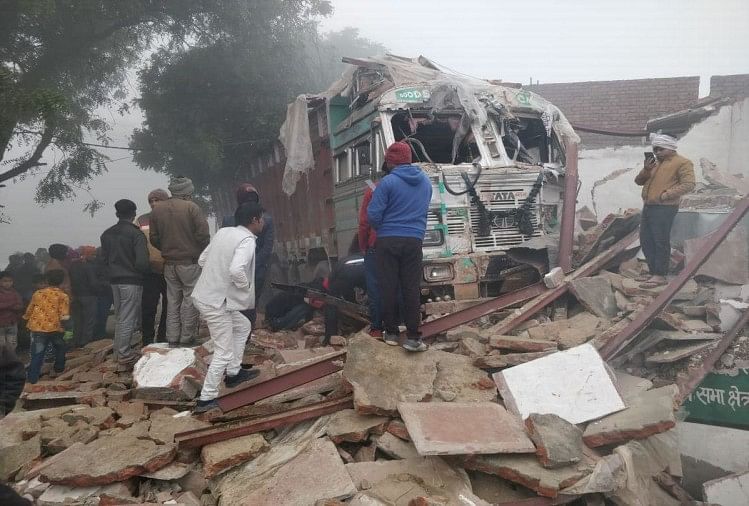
664,181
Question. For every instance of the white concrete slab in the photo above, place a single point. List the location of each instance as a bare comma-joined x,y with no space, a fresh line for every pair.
573,384
732,490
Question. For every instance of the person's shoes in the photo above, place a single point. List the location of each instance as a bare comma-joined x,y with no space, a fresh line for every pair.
415,345
242,376
391,339
377,334
204,406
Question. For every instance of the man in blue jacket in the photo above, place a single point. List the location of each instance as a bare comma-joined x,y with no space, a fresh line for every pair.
398,212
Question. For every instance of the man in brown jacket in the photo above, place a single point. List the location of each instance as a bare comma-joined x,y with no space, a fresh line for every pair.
664,180
179,230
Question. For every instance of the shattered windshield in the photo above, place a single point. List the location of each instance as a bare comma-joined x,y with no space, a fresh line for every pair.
437,138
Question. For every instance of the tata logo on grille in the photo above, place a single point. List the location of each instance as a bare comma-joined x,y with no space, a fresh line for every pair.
510,195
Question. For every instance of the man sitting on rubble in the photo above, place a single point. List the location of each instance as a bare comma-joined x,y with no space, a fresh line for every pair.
664,181
226,287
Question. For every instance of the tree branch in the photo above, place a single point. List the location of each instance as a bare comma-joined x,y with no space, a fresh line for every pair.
33,160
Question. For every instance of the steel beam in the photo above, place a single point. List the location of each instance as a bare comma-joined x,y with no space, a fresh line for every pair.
552,294
569,206
617,343
273,386
230,430
695,377
452,320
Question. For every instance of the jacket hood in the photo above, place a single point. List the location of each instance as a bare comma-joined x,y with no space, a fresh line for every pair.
411,174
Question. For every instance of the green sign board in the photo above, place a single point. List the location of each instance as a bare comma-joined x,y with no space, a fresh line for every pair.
412,95
721,399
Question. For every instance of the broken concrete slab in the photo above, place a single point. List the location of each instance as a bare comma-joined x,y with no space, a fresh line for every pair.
574,384
730,312
290,357
396,448
558,442
315,472
651,412
495,490
724,264
463,428
471,347
366,453
596,295
731,490
163,427
17,455
218,457
126,457
171,472
164,370
675,354
608,475
570,332
498,361
527,471
398,429
382,375
630,387
420,477
102,417
463,331
348,425
519,344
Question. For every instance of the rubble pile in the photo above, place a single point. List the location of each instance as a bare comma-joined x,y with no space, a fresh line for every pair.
516,405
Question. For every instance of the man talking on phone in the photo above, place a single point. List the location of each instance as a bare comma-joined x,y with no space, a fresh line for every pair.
665,177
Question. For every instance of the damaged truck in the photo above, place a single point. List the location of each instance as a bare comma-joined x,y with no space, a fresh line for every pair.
496,156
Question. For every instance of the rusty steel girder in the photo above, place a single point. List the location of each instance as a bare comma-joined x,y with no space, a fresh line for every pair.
569,206
273,386
617,343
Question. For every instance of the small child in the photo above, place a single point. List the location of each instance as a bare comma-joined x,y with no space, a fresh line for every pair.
11,307
48,318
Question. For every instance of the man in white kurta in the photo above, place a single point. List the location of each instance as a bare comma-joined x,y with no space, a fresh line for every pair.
224,289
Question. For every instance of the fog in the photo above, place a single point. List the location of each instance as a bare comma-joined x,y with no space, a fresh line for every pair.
545,40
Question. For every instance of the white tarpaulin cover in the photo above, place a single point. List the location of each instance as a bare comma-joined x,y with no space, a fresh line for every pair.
299,156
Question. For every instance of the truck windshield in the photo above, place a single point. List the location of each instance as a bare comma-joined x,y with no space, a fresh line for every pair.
438,138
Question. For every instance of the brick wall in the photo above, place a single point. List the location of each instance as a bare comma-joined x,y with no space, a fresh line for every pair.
619,105
735,86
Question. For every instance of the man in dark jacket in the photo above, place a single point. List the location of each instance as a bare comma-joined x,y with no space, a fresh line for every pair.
179,230
398,213
125,254
248,193
12,379
85,286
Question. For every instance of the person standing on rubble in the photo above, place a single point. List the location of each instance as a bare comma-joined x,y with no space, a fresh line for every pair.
179,230
664,180
248,193
154,285
398,213
224,289
367,240
124,250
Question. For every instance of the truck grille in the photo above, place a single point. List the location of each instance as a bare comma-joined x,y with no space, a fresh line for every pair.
499,192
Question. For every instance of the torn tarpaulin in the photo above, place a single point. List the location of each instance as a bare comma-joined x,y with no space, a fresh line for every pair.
299,155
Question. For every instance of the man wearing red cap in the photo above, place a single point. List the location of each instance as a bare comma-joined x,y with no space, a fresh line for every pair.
248,193
398,213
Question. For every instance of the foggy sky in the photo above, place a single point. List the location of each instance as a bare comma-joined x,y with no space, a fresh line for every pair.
547,40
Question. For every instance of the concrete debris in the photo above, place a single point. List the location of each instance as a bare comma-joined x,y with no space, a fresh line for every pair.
733,490
678,353
396,448
463,429
596,295
218,457
554,278
722,265
649,413
398,429
17,455
558,442
164,370
574,384
348,425
519,344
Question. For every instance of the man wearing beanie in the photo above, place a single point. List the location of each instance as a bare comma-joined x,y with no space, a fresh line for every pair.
179,230
154,285
124,252
247,193
398,213
664,180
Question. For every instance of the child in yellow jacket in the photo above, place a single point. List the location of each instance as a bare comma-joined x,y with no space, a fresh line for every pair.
48,317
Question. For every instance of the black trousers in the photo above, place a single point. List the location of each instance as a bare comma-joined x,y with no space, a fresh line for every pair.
655,236
154,287
399,266
84,311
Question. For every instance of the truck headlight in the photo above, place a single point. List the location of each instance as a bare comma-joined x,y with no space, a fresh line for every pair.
433,237
438,272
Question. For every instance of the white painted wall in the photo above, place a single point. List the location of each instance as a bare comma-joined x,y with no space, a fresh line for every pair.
725,448
722,138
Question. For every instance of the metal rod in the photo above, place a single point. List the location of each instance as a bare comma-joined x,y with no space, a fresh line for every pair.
273,386
646,315
230,430
567,227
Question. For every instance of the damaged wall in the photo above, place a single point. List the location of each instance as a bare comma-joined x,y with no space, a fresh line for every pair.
722,138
